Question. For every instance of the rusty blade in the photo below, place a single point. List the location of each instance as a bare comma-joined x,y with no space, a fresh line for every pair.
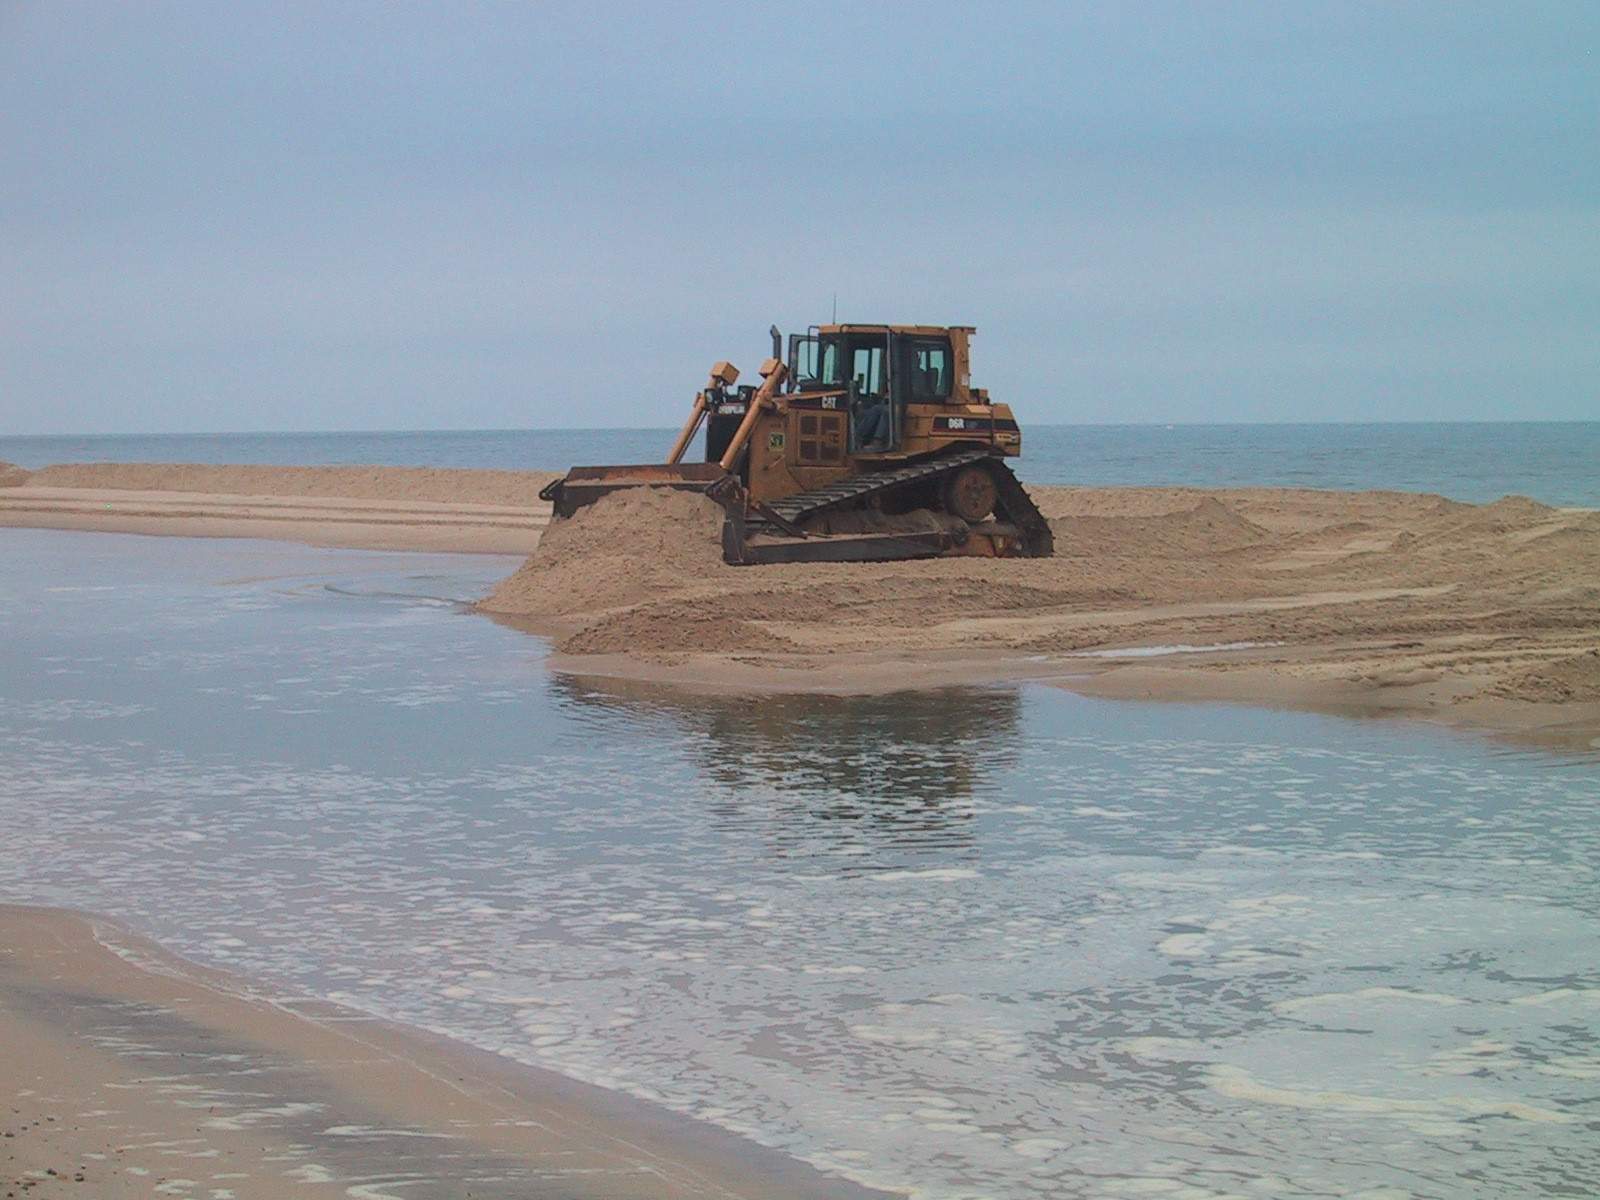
584,485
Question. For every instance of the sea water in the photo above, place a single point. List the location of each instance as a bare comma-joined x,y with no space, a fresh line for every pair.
970,942
1555,462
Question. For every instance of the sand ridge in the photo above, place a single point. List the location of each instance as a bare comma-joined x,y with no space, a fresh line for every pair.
364,507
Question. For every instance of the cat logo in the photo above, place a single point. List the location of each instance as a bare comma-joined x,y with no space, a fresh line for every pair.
775,441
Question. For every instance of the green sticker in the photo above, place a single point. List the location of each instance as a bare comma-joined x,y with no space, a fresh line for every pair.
775,440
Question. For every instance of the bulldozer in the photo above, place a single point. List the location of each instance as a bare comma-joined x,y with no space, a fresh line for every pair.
866,443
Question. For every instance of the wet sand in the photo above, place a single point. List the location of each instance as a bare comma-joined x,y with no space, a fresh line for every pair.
1389,603
127,1072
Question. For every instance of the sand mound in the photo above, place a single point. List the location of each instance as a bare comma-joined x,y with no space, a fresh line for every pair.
1509,514
1517,509
442,484
628,548
1209,527
12,475
1212,525
1379,589
1565,680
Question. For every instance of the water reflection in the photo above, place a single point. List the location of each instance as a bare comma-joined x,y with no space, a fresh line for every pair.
858,772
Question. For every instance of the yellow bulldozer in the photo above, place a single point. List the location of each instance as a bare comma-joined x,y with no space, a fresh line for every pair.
867,443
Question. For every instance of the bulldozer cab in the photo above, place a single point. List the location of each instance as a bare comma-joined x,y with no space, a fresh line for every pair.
874,372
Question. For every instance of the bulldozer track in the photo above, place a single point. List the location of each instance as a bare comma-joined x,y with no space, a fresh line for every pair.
1014,504
856,488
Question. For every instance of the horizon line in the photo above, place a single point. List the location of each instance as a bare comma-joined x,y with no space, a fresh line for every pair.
172,433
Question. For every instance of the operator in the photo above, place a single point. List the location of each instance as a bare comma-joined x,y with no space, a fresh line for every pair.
873,424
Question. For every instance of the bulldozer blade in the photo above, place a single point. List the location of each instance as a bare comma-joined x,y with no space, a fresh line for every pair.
582,486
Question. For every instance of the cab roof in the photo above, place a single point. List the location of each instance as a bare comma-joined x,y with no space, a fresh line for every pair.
930,330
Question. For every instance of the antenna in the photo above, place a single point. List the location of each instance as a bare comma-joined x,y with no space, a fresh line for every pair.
835,308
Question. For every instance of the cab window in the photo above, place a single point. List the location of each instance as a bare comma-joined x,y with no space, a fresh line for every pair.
815,362
828,370
928,369
866,368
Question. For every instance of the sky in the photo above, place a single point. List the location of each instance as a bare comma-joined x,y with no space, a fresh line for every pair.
242,217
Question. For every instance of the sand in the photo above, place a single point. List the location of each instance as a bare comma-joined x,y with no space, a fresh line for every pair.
12,475
1372,601
126,1072
351,483
1572,678
372,508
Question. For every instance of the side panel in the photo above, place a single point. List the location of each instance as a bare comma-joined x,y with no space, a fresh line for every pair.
775,471
932,427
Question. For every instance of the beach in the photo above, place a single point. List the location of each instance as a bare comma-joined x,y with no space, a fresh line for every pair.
125,1071
1485,616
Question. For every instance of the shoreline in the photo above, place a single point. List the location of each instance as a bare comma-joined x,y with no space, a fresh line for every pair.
1564,727
125,1068
1479,617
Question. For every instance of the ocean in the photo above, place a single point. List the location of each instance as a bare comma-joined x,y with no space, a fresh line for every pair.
1553,462
1002,941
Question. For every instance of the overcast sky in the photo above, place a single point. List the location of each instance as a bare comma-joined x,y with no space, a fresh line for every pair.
397,216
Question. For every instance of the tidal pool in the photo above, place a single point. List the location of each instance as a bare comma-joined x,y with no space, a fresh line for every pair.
969,942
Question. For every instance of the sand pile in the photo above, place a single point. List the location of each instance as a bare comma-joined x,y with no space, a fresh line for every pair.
637,572
442,484
628,548
1383,591
1477,527
12,475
